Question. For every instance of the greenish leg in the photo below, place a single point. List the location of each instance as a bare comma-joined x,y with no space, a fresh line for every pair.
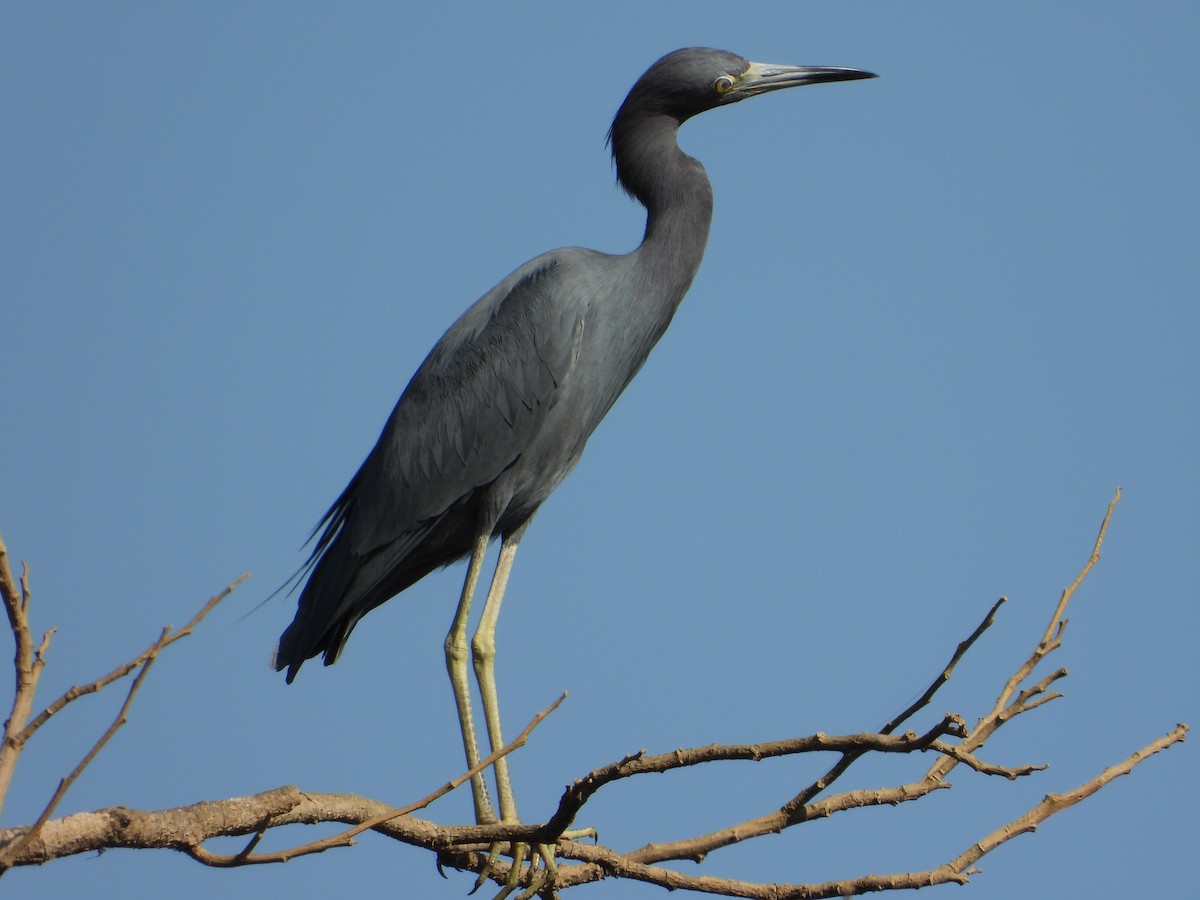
456,665
483,648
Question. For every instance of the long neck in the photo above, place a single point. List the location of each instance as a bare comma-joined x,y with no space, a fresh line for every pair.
677,196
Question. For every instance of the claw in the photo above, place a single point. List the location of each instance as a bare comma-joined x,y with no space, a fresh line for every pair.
514,873
541,872
493,855
541,876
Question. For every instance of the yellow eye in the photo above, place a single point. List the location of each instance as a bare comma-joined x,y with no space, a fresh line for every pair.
723,84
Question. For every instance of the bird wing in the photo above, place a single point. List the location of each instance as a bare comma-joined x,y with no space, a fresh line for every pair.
474,404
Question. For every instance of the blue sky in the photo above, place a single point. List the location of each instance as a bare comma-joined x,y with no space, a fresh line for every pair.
941,316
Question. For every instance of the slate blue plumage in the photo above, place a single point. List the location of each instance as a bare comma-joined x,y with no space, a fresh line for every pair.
500,410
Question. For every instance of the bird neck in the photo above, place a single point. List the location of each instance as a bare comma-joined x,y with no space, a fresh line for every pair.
676,193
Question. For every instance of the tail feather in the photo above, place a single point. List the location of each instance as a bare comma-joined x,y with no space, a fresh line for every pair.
316,613
343,587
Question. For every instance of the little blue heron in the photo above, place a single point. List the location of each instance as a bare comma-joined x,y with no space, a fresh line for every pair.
500,410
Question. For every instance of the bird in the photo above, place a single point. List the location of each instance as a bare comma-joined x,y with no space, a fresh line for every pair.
500,410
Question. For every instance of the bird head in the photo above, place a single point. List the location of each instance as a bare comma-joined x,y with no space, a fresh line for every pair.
693,80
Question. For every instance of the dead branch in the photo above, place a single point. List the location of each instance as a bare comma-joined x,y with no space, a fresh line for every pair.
346,838
129,828
165,640
1056,803
1005,707
801,807
600,862
28,665
186,829
66,783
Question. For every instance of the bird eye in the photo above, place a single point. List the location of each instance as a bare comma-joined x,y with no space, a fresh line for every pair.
723,84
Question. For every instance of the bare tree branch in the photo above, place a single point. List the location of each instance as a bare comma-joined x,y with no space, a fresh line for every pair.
1056,803
801,808
1005,707
600,862
186,829
121,827
28,665
167,639
639,764
346,838
65,784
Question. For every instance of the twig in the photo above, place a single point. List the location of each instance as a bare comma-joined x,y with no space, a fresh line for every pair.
346,838
1005,708
600,862
794,806
1056,803
944,677
801,807
1053,635
82,690
985,768
578,793
27,666
64,784
13,598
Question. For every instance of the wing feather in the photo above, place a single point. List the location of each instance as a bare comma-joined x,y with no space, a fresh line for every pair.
472,407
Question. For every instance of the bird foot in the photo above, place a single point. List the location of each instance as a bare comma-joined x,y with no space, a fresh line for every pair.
542,870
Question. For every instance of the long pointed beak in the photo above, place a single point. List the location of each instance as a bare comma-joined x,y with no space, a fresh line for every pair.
762,77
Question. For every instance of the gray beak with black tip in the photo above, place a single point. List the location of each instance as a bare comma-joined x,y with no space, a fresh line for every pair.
759,78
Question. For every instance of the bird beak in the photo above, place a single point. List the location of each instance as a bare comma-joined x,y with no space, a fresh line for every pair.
760,78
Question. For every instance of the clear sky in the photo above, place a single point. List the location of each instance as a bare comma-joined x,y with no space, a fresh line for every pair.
941,316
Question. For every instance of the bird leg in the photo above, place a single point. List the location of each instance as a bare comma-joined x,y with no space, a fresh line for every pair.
483,657
456,665
483,648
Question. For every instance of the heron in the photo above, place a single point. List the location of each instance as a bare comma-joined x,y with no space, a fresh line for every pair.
499,412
